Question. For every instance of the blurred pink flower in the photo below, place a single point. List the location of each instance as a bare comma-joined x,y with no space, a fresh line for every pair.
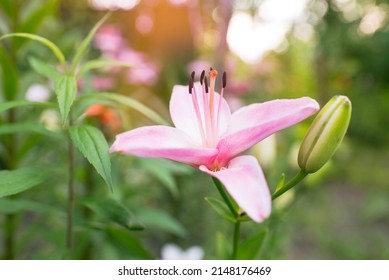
207,136
108,39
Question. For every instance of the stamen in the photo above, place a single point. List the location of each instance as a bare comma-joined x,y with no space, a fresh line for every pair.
206,84
202,77
224,84
191,82
197,108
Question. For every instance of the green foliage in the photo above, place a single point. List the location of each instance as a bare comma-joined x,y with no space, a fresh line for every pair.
113,212
44,69
250,248
220,208
66,90
20,180
9,75
92,144
123,100
32,23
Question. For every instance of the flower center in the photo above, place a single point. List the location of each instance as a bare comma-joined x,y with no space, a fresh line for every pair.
207,119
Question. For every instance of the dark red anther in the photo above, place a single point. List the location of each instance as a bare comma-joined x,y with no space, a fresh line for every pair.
191,81
224,79
206,84
202,77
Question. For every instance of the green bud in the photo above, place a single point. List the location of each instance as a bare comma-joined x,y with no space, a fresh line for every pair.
325,134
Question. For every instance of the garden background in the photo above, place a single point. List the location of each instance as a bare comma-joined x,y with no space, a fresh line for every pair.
269,49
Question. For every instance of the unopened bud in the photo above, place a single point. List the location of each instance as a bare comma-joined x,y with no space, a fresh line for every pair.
325,134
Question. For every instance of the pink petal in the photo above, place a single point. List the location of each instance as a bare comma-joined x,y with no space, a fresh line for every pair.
164,142
255,122
184,116
245,182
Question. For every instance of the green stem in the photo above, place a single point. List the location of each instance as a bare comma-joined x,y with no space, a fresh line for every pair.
294,181
227,200
70,202
225,197
236,240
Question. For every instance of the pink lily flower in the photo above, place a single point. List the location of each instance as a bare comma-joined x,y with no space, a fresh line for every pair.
207,136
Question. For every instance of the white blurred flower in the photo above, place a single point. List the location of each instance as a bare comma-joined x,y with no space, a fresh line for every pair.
265,151
173,252
37,93
50,120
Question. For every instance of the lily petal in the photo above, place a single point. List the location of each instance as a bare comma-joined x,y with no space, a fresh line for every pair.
184,115
245,182
164,142
255,122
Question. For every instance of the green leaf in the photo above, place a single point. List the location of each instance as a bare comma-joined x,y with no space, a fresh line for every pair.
85,43
124,100
35,19
9,74
281,182
160,220
92,144
56,51
221,208
97,64
127,244
8,7
66,89
23,103
249,249
222,247
19,180
12,206
113,211
158,170
28,128
44,69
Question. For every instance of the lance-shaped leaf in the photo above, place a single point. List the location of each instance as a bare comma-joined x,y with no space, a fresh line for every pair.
19,180
92,144
221,208
250,248
123,100
44,69
66,89
114,211
9,75
53,47
23,103
35,19
85,43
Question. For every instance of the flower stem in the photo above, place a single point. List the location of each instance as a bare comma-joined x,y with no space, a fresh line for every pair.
227,200
225,197
70,202
294,181
236,240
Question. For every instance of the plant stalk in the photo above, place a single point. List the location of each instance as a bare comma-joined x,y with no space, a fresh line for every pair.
70,202
294,181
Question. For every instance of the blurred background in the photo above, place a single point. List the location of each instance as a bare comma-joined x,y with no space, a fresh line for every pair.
270,49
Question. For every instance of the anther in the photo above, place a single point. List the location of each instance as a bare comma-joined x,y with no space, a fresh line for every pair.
224,79
191,82
206,84
202,77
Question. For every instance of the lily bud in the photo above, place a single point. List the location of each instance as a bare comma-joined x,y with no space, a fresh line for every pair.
325,134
